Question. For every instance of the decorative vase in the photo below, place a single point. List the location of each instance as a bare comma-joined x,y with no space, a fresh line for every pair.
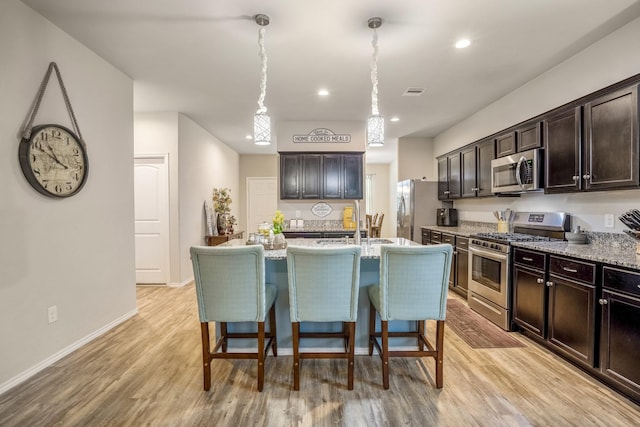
223,223
279,240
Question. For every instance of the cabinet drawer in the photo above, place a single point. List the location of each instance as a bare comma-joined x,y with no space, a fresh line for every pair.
462,242
621,280
449,238
571,269
436,237
530,259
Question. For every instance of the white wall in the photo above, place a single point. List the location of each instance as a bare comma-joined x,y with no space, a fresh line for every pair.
383,201
75,253
607,61
198,162
204,163
415,155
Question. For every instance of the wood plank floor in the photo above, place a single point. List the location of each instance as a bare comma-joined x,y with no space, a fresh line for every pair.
147,371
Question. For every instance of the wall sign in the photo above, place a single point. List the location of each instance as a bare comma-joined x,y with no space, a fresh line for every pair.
321,209
322,135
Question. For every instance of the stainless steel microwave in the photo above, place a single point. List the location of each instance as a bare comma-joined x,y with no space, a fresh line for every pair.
518,172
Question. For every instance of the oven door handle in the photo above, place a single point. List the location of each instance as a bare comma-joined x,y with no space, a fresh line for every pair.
487,254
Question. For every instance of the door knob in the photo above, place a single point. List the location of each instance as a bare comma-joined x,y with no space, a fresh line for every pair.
603,301
540,281
549,283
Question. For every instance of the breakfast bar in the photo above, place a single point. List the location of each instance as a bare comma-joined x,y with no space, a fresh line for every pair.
276,274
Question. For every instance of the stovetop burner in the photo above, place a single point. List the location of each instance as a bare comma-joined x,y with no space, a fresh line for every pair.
511,237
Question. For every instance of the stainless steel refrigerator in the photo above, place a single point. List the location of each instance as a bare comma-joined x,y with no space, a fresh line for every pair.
416,205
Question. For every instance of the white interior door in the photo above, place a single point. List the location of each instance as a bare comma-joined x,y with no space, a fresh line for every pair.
151,219
262,201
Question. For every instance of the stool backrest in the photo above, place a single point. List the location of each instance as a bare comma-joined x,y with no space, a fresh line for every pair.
323,283
414,281
230,283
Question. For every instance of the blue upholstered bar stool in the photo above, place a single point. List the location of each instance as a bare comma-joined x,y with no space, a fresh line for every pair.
413,286
230,287
323,287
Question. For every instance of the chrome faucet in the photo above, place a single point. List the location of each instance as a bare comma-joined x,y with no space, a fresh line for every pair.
356,214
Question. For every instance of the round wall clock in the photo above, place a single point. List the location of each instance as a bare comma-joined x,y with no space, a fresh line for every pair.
54,160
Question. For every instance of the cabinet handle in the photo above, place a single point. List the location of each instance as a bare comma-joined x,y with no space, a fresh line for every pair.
455,253
524,257
549,284
603,301
570,270
540,281
586,176
576,177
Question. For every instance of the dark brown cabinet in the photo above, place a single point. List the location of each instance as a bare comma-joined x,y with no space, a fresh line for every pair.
620,330
475,169
461,284
597,153
449,185
611,140
506,144
557,303
321,176
426,236
563,139
529,136
451,239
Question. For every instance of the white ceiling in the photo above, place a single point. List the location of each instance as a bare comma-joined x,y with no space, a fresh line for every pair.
201,58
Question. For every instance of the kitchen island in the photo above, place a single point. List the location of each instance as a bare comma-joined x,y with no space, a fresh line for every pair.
276,274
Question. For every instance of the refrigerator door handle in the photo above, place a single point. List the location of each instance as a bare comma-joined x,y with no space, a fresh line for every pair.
403,210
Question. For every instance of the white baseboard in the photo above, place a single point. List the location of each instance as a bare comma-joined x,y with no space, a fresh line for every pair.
182,284
23,376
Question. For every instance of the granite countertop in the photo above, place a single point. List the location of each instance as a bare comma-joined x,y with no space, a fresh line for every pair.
369,251
621,255
465,228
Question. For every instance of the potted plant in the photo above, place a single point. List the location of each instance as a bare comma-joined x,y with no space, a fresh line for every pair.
222,207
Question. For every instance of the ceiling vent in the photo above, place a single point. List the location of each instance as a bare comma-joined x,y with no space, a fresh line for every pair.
413,91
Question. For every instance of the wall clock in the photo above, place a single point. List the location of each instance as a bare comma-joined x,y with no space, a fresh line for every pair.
54,160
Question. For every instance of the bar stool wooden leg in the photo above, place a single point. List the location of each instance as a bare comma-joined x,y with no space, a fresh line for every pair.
385,354
372,327
420,325
223,332
272,330
206,355
439,353
260,356
352,333
295,329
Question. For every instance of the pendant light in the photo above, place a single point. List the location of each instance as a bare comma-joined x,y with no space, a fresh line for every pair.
261,121
375,122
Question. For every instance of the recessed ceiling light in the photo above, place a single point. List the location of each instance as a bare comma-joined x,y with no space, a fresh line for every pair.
249,137
323,92
462,43
394,119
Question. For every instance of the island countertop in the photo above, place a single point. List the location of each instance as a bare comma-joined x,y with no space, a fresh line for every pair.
370,247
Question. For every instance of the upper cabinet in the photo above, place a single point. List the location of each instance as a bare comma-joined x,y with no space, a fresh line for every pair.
476,168
321,175
506,144
598,153
529,136
449,184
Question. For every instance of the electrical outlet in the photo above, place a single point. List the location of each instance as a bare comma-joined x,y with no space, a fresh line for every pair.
297,214
53,313
608,220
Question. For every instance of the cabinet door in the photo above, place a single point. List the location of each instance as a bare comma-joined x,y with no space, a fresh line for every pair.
462,270
455,186
563,139
529,300
572,319
620,341
506,144
311,173
443,179
451,239
611,150
332,169
486,152
289,176
469,174
352,178
426,237
529,137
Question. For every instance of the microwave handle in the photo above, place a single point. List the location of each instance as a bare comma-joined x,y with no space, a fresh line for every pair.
518,178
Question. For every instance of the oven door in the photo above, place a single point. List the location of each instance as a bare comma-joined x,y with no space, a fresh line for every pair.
488,275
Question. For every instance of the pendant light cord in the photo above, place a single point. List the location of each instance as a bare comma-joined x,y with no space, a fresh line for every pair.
263,73
374,75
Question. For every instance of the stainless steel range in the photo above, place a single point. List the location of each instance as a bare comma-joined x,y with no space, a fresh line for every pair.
490,278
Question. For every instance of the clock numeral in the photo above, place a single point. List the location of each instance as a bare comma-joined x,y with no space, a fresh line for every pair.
55,133
37,144
58,188
36,171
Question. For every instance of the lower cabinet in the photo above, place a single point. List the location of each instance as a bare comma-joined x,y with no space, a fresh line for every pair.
451,239
321,234
555,301
461,284
620,330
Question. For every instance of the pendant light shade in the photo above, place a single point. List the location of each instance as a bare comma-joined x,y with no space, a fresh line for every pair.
262,121
375,123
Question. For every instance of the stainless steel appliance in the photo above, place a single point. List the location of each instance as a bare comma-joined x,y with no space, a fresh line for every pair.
490,286
518,172
416,204
447,217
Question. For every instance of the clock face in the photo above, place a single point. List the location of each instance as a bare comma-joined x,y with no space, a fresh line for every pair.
54,161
